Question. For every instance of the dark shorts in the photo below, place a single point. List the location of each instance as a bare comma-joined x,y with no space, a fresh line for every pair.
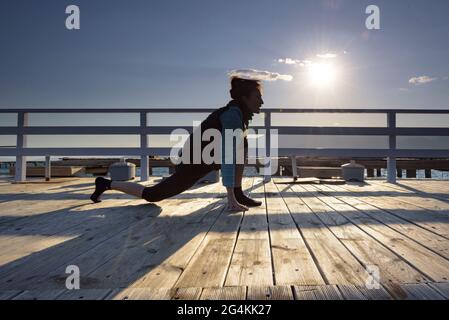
184,178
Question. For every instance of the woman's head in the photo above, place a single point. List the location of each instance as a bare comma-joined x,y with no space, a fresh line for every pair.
248,92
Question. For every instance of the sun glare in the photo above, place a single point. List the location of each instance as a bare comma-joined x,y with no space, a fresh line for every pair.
322,75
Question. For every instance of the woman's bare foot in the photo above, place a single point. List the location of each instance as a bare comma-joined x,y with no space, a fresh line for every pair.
233,204
236,207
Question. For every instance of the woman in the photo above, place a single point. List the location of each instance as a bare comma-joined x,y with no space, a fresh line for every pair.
247,100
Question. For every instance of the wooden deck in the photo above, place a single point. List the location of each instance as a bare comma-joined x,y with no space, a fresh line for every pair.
307,241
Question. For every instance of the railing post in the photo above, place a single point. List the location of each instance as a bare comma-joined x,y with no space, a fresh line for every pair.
294,167
391,160
47,168
144,163
21,161
267,164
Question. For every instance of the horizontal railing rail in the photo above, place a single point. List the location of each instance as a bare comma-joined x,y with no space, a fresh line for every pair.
22,129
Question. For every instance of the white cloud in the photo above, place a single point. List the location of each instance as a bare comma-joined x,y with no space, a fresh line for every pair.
327,55
290,61
307,63
421,80
252,74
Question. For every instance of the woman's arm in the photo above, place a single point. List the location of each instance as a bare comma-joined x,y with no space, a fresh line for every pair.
231,120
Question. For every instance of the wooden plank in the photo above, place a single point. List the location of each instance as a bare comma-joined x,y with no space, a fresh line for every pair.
140,294
292,260
427,262
335,262
45,233
22,246
224,293
20,209
39,295
441,287
328,292
81,225
7,295
339,218
433,188
84,294
117,228
421,291
57,223
351,292
414,196
197,234
187,294
36,199
250,264
375,294
434,221
19,274
209,265
31,191
270,293
148,244
251,259
424,237
47,217
173,238
41,229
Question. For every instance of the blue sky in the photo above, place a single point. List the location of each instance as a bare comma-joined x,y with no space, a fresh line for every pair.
178,53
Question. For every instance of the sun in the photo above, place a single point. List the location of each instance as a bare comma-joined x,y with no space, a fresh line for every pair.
322,75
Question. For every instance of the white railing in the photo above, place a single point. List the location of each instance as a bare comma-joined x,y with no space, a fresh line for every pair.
21,130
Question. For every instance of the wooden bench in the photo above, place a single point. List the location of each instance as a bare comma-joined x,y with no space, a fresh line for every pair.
56,171
313,172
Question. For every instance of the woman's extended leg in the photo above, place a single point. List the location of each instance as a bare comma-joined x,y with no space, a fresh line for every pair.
102,184
131,188
183,179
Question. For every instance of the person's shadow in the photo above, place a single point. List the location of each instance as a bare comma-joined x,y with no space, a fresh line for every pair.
112,246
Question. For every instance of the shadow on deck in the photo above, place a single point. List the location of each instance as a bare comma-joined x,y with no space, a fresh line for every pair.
356,241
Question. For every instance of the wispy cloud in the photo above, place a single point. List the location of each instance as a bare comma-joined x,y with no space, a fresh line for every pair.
327,55
421,80
307,63
446,78
252,74
290,61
